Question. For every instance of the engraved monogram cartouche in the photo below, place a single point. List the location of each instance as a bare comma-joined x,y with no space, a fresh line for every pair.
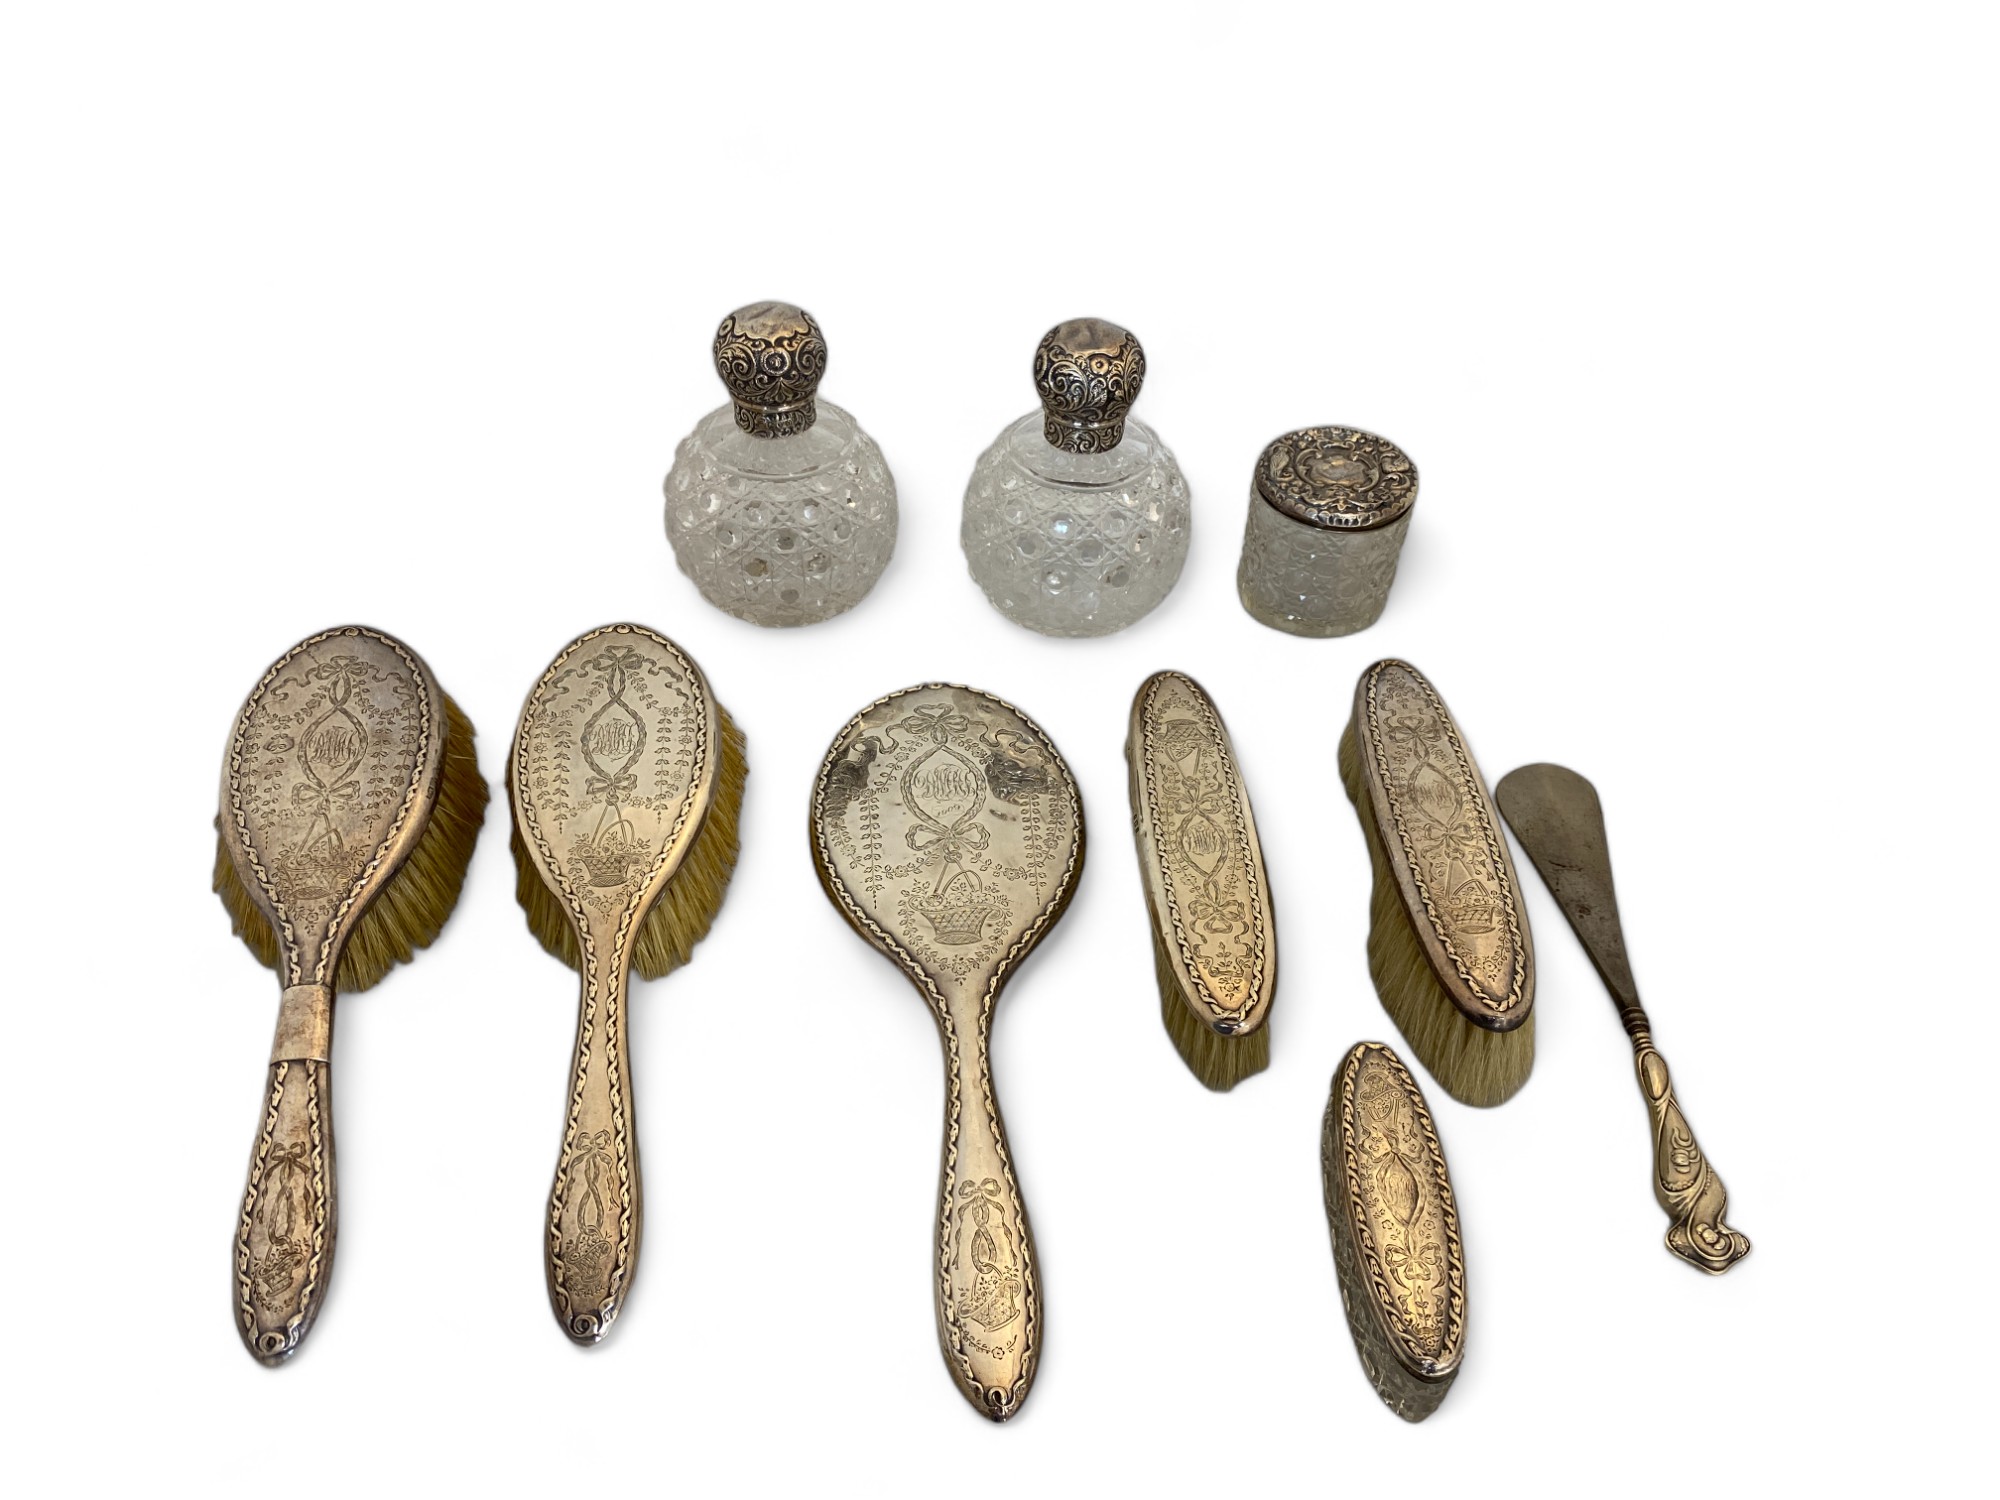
1556,815
947,829
779,507
613,773
1076,519
332,770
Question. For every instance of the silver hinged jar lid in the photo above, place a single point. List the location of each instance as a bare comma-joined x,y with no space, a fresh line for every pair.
1337,478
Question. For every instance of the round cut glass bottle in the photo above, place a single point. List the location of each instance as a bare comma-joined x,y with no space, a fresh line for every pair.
779,507
1076,519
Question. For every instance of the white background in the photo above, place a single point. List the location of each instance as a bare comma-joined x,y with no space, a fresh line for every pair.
395,314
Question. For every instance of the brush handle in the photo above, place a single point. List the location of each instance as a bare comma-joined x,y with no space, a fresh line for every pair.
284,1235
595,1215
1683,1180
988,1289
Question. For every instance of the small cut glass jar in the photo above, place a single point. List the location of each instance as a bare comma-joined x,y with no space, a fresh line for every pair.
1329,507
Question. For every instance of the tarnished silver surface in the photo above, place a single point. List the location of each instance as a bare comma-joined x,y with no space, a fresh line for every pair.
1555,814
1442,839
331,775
613,773
771,356
1088,373
948,831
1394,1223
1200,859
1336,478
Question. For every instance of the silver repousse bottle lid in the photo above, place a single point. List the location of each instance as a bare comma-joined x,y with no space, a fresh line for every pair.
1088,373
1337,478
771,356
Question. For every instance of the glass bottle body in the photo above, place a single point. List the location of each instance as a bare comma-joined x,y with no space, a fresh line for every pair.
1314,581
781,530
1075,544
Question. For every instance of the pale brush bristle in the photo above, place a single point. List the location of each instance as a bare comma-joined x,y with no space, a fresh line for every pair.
686,908
1220,1062
1472,1064
412,910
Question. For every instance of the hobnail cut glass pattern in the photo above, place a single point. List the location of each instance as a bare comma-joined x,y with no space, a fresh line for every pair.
785,530
1075,544
1308,580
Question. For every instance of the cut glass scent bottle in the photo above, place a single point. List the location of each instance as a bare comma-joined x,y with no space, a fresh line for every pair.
779,507
1076,519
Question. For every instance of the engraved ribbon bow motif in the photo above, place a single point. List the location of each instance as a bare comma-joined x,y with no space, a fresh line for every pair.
330,752
1430,789
993,1298
944,789
1197,801
616,734
1396,1178
589,1250
284,1206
